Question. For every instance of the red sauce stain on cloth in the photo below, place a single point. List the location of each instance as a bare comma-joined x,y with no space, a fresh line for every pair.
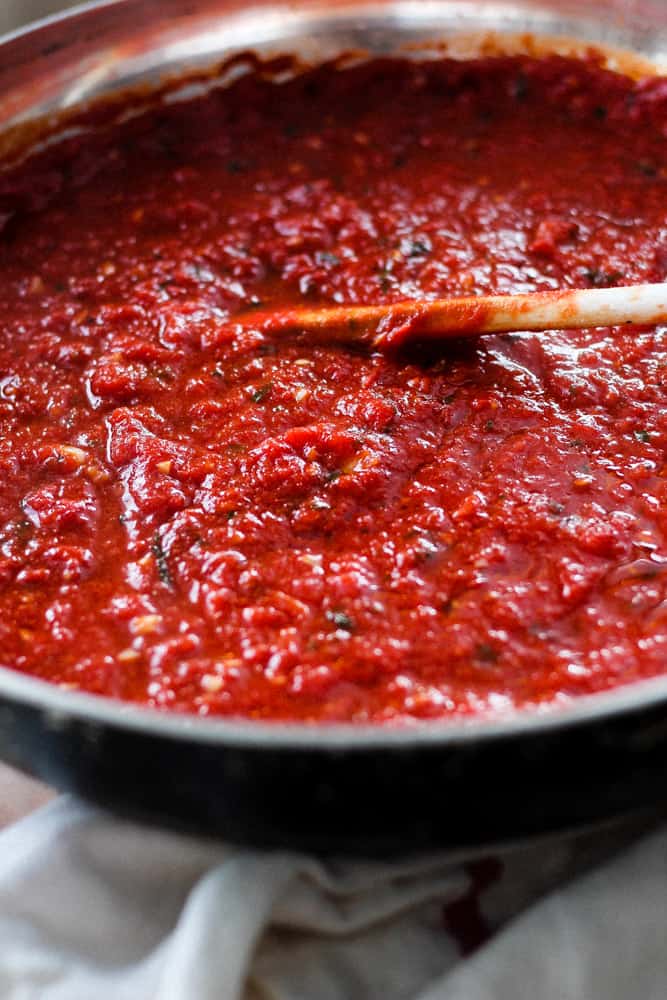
201,516
463,918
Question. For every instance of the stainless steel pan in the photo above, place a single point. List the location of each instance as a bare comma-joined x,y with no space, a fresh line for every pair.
343,789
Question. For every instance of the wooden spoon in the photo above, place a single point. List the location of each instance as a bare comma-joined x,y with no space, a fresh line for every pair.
392,325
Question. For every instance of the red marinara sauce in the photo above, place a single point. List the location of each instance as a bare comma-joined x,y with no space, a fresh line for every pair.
204,518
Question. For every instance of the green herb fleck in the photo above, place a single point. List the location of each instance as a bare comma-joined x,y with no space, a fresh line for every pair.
415,246
538,629
647,168
599,278
486,653
643,436
261,393
384,276
341,620
324,257
161,560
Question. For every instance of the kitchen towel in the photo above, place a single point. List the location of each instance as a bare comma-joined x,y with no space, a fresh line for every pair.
93,907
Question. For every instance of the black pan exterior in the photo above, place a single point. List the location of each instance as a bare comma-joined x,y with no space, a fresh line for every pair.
379,798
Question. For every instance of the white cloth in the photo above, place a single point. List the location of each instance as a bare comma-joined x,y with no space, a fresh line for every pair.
96,908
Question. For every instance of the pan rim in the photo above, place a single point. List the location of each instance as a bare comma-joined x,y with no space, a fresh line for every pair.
62,707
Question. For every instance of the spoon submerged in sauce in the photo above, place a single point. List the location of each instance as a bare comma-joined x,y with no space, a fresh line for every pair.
392,325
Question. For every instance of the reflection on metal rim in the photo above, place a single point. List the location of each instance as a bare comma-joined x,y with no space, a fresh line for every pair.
102,46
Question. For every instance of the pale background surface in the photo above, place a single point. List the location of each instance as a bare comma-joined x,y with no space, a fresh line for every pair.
18,794
13,13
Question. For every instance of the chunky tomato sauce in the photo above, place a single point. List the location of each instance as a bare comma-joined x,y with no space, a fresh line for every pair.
201,516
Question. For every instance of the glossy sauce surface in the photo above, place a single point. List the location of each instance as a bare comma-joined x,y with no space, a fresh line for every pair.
208,518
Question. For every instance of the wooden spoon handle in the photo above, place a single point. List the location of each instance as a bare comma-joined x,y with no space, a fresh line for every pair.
392,325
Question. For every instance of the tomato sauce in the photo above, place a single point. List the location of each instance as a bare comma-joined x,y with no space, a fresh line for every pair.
199,515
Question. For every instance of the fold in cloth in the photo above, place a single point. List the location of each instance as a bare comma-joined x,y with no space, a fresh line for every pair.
96,908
